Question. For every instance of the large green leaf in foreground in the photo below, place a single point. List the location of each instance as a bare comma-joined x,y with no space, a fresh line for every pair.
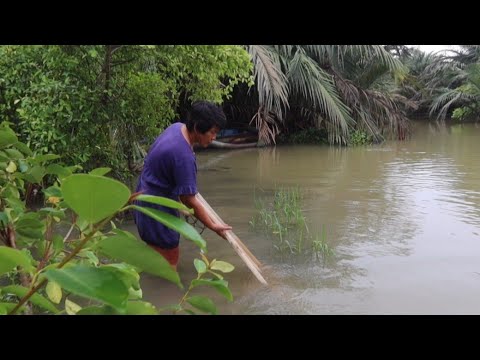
94,283
175,223
94,197
125,247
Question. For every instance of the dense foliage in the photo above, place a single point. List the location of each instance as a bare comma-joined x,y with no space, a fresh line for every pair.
69,249
102,105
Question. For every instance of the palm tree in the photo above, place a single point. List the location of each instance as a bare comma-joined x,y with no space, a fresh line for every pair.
454,81
335,87
465,98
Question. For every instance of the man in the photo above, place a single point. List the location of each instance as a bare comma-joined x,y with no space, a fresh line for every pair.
170,170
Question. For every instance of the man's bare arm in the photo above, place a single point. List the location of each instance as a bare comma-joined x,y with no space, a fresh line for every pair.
201,214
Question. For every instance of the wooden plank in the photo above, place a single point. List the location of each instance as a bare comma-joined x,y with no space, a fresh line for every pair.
217,218
228,233
252,263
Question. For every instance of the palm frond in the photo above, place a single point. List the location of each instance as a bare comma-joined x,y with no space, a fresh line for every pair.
320,52
285,50
385,109
473,75
316,86
271,81
373,110
266,125
375,51
443,102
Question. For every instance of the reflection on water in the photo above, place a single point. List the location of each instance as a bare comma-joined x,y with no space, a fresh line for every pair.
402,217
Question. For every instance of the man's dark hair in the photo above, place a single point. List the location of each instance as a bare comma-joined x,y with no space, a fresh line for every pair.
204,115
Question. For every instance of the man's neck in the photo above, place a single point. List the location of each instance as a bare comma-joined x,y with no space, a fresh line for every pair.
189,137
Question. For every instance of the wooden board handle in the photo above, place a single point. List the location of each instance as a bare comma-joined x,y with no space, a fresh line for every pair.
251,261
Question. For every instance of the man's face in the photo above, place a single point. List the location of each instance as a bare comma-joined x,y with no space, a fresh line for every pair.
205,139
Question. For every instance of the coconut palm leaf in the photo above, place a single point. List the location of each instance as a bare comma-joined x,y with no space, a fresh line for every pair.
291,77
312,83
271,81
266,125
367,52
373,110
468,54
443,102
337,55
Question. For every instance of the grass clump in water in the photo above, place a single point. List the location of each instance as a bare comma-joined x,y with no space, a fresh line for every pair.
283,220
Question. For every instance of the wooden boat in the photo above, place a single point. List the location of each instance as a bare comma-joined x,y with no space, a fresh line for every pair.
235,139
223,145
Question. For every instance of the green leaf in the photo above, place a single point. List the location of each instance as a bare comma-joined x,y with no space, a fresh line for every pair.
216,274
57,242
14,154
172,307
23,166
3,219
53,191
10,258
90,255
97,310
45,157
141,308
127,273
52,212
29,226
93,53
222,266
159,200
10,306
15,204
94,283
58,170
23,148
175,223
203,303
100,171
72,308
11,168
135,294
126,247
54,266
35,174
11,191
74,168
220,285
36,298
200,266
7,137
54,292
94,197
133,308
3,309
82,224
4,157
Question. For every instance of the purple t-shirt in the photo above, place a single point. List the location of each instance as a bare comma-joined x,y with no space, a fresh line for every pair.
169,170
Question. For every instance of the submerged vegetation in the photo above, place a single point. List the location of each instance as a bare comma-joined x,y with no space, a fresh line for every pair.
284,222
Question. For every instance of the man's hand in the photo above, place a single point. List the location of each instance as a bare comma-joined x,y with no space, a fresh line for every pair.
220,229
201,214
